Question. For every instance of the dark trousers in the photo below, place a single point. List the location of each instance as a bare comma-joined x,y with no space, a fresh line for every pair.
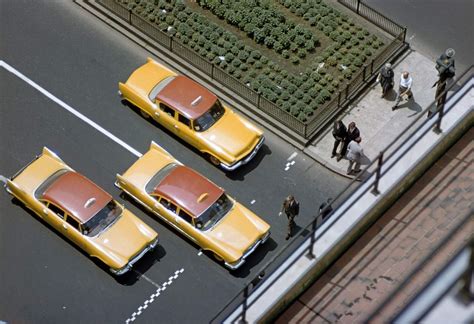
336,144
345,144
291,224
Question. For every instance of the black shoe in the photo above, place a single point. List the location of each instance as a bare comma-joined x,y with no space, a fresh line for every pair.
356,171
349,173
339,158
287,237
394,107
333,155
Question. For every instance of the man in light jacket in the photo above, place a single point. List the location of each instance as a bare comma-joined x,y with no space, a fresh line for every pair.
404,88
354,154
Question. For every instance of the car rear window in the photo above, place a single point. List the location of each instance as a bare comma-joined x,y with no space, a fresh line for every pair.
159,86
45,185
160,175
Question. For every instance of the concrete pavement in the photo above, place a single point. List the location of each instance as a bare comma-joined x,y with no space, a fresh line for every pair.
378,124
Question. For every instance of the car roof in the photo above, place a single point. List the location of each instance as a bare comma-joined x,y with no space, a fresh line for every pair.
189,190
187,96
76,195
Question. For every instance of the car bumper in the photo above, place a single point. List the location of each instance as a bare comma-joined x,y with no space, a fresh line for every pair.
236,265
129,265
246,159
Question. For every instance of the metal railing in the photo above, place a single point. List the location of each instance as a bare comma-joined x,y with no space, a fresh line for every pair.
323,115
386,159
374,16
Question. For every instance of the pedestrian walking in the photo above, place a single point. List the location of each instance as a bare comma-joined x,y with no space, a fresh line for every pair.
325,209
385,78
352,134
339,132
354,155
404,88
291,207
446,71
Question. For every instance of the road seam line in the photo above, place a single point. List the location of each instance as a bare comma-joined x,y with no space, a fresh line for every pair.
153,296
69,108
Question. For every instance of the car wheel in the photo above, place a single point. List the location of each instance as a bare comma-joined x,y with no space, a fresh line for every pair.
218,258
214,160
144,114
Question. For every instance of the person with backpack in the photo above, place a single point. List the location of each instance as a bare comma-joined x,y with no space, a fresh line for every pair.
291,207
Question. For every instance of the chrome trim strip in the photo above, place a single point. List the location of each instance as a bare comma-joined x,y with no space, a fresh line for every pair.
246,159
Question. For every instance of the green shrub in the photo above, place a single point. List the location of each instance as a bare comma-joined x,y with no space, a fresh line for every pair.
335,84
302,53
286,106
301,116
291,88
285,54
285,95
299,94
308,110
229,57
332,61
361,35
295,59
294,111
244,67
307,98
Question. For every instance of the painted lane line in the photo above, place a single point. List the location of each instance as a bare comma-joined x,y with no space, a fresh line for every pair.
69,108
153,296
292,156
200,252
252,202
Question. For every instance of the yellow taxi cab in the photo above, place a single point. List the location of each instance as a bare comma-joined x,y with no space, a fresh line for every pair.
83,212
194,206
193,113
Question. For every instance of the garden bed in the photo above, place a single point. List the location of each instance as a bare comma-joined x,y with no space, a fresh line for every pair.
295,53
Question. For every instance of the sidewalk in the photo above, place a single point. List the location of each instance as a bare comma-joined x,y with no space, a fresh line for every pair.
377,123
364,276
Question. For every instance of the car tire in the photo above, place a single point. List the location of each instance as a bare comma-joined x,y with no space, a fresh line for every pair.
218,257
214,160
144,114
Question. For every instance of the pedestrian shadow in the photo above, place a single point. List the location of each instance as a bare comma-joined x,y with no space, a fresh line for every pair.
391,95
411,105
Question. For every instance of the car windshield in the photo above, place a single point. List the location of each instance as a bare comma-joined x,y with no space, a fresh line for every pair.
209,117
103,219
215,213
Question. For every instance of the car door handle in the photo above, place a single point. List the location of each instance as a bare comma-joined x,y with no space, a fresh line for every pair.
176,126
157,114
65,226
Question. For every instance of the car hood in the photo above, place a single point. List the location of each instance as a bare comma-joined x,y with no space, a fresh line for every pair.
126,237
238,230
233,135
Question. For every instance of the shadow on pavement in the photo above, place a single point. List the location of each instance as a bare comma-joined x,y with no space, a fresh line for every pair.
255,258
240,173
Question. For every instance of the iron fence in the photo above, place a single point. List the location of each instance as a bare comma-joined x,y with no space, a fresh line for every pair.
322,116
374,16
386,159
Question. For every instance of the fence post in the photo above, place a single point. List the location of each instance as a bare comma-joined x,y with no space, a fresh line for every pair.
310,254
244,305
358,5
376,191
130,16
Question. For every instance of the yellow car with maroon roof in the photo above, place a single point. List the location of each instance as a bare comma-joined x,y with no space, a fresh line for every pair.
194,206
83,212
193,113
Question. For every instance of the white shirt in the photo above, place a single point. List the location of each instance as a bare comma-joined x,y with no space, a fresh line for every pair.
354,151
406,83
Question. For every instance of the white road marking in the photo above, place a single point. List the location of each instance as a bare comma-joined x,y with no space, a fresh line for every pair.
292,156
69,108
252,202
287,168
412,36
292,162
153,296
200,252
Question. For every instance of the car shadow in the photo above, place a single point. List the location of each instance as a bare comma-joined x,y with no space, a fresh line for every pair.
241,171
254,259
129,278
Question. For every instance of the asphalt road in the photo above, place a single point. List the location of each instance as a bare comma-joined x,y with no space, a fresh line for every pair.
43,278
435,25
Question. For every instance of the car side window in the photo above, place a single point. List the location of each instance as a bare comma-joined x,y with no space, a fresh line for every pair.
184,120
184,215
58,211
74,223
168,205
166,109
